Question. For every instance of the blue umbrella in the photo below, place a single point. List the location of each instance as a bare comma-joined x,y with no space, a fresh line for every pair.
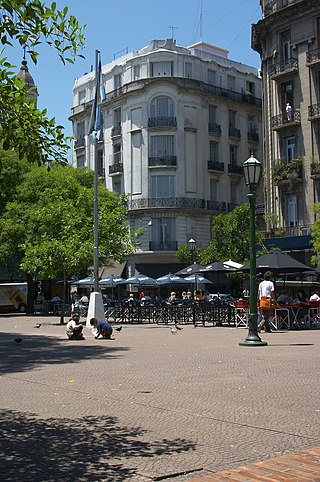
112,281
141,279
169,279
197,278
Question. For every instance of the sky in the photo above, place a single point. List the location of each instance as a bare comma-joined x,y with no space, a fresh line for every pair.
113,26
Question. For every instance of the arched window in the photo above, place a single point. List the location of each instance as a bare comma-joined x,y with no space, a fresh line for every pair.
162,107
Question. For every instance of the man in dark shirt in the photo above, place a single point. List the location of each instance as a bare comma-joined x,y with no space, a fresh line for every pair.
102,328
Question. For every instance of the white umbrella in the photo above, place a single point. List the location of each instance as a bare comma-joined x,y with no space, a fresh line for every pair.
169,279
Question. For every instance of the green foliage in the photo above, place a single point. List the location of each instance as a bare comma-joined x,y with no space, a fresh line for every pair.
282,170
50,223
230,237
184,255
22,126
12,170
315,234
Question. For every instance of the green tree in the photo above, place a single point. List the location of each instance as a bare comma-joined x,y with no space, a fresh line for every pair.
315,234
50,223
184,255
230,237
22,126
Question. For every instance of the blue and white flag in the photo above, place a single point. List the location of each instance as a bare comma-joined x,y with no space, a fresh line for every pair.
96,120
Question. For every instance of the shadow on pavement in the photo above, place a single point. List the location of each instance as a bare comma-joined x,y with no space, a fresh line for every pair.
34,351
90,448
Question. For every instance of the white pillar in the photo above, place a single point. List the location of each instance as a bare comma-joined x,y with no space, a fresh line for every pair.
95,309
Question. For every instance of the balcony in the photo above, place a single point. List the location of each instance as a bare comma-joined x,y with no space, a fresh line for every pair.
162,122
281,120
287,173
315,169
170,202
234,133
215,166
233,96
314,112
116,168
313,57
169,246
216,206
168,161
214,129
275,5
80,143
283,68
253,136
235,169
116,131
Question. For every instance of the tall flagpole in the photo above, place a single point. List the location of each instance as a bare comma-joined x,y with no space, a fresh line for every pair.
96,309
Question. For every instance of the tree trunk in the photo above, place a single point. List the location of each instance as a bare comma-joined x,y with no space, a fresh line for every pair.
63,308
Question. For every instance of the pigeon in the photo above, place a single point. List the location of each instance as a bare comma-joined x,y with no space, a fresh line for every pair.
177,327
119,328
18,340
173,331
37,325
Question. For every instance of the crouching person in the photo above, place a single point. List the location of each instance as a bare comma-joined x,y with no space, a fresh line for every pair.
74,329
101,328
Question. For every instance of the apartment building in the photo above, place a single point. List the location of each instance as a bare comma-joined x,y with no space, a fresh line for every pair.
178,123
288,40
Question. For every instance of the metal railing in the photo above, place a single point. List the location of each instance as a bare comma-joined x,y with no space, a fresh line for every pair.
313,111
162,161
281,120
216,166
214,128
234,132
162,121
313,56
283,67
253,136
117,167
216,206
81,142
169,246
170,202
116,131
235,169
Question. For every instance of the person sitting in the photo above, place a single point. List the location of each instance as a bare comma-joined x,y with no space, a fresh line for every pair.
131,298
172,298
303,303
197,295
284,298
74,329
101,328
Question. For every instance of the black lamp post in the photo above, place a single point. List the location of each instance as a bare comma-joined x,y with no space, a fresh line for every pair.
252,171
192,245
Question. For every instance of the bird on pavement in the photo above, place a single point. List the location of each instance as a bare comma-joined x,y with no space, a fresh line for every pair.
119,328
18,340
173,331
37,325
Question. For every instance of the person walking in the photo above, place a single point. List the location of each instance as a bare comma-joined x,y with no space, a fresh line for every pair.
266,295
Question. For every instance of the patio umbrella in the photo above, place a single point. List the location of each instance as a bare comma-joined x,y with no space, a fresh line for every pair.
218,267
233,264
140,279
170,279
197,279
88,281
191,269
112,281
277,262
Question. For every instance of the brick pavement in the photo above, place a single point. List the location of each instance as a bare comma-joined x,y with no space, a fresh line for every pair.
153,406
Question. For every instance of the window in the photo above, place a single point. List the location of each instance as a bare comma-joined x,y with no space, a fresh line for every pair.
162,146
286,95
188,69
213,190
252,125
234,194
117,185
136,72
117,117
292,211
164,232
80,161
233,155
288,148
232,118
231,82
212,114
214,151
117,81
161,69
211,77
162,186
82,96
80,130
250,88
162,107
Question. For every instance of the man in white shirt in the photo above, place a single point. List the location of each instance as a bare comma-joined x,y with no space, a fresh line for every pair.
266,288
74,329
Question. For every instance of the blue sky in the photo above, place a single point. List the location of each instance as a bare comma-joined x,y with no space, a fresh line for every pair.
116,25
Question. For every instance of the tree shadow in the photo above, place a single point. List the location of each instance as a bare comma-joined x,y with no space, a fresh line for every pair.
90,448
40,350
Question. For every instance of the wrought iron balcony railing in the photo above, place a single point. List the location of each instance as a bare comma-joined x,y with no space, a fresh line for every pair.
214,128
116,131
282,120
314,111
169,246
78,143
284,67
215,166
234,132
115,168
313,56
216,206
170,202
253,136
231,206
169,161
275,5
162,121
235,169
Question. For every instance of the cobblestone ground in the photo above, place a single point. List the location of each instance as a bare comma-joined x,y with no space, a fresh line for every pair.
151,405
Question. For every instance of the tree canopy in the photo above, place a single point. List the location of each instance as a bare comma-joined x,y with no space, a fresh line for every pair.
49,224
22,126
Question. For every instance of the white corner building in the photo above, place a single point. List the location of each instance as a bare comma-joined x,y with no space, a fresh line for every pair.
178,123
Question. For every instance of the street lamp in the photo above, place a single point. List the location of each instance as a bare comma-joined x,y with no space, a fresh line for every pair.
192,245
252,171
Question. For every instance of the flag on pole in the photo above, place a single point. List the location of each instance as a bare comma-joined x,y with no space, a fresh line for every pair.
96,120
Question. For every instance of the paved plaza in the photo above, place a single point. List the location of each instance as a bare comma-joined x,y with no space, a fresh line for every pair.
152,405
